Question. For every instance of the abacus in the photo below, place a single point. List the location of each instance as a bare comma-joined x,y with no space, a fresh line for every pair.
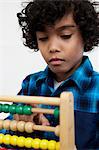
65,129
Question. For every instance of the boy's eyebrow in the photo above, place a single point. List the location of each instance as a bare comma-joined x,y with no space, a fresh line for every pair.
65,27
61,28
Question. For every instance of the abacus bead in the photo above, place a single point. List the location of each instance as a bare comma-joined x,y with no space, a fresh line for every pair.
3,148
0,107
19,109
29,127
57,130
57,145
27,110
56,113
28,142
21,141
36,143
44,144
1,124
12,109
1,138
21,126
13,125
51,145
6,124
6,139
13,140
5,108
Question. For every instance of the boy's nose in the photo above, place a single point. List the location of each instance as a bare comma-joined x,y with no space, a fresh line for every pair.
53,50
54,46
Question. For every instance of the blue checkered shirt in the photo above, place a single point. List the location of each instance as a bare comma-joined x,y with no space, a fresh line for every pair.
84,84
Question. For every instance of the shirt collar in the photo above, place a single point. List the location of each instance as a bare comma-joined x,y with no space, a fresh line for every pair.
82,75
46,76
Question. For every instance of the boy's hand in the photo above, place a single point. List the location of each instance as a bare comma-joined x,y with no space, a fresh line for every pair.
26,118
35,118
43,120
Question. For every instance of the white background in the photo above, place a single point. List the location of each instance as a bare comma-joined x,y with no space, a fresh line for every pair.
16,61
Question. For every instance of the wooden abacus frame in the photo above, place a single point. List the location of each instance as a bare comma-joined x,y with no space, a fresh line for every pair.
65,102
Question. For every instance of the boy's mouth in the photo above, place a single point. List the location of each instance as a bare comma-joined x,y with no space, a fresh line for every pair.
56,61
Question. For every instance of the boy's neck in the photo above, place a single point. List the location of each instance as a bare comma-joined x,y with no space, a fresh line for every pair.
63,76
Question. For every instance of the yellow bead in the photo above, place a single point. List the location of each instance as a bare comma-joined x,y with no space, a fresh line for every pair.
21,141
51,145
36,143
28,142
57,145
6,139
13,140
44,144
1,138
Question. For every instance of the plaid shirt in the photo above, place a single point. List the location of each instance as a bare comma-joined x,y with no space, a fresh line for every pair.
84,84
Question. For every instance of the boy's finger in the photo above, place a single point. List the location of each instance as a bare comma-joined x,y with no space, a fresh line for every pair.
16,117
43,120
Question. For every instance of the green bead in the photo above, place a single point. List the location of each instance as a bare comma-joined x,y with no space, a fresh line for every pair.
27,110
0,108
5,108
12,109
19,109
56,113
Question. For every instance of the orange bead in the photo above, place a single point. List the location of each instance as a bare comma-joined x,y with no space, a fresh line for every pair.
6,124
21,126
1,124
13,125
29,127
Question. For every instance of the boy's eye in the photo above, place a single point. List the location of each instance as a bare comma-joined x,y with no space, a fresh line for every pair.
43,39
66,36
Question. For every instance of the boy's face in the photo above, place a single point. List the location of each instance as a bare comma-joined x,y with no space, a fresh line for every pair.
61,46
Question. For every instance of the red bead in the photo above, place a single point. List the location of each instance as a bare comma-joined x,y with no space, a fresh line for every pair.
3,149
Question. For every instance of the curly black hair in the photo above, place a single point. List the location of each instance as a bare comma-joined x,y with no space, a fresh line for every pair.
40,13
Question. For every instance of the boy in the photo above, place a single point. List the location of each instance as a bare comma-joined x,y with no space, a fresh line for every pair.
63,30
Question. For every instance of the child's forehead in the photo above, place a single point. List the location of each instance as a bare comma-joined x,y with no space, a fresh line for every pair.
65,23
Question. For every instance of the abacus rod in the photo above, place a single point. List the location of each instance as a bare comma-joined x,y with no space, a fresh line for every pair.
42,110
32,99
44,128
